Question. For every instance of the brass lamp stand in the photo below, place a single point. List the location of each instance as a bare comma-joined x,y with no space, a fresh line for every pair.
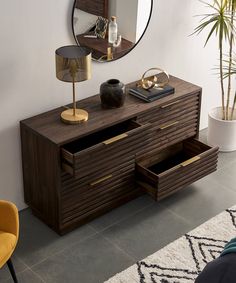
73,64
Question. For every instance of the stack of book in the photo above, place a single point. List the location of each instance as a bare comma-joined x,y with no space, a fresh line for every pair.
151,94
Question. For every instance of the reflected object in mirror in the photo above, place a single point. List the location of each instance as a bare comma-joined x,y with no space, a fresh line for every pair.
109,53
112,31
101,27
117,42
83,22
107,57
133,17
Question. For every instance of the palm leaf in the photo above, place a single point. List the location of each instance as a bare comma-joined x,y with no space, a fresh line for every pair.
218,21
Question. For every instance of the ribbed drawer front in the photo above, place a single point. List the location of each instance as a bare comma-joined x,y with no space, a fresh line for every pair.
174,107
175,122
176,167
107,153
83,196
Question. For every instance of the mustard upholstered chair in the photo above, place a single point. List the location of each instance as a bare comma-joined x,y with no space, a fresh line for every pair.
9,232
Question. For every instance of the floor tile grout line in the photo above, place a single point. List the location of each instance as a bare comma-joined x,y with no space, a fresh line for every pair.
184,219
203,138
52,255
121,220
227,188
38,275
17,274
98,233
138,211
221,185
93,228
62,250
223,167
26,267
175,214
25,264
118,247
7,278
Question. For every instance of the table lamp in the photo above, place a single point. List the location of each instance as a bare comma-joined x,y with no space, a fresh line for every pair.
73,64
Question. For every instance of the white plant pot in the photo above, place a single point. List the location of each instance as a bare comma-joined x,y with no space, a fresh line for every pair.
220,132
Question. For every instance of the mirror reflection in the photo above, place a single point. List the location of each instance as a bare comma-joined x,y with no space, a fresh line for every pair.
110,28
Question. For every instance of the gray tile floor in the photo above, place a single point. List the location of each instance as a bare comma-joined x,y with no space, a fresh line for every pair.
113,242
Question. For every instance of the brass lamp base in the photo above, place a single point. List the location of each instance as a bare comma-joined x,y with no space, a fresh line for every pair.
80,116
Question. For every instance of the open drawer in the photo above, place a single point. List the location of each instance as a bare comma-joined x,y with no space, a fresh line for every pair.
104,149
176,167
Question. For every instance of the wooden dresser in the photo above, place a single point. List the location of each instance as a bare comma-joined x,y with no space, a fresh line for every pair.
74,173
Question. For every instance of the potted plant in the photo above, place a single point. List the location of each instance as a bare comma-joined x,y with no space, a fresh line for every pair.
222,120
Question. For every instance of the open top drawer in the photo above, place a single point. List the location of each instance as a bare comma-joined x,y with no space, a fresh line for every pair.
176,167
103,149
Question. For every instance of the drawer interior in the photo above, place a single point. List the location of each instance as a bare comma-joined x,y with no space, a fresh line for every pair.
176,155
101,136
175,167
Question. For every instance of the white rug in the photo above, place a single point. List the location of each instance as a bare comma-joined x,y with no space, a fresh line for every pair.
182,260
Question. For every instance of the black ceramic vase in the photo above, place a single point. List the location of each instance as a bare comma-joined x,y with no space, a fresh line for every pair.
112,94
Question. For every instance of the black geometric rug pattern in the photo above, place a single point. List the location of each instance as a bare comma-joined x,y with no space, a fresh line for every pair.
204,249
232,213
155,273
183,260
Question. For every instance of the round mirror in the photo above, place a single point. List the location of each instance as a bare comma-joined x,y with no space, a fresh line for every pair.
110,28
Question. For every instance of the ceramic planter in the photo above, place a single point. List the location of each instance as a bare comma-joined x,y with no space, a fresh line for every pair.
220,132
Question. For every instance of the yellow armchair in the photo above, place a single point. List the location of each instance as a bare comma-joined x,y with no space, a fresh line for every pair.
9,233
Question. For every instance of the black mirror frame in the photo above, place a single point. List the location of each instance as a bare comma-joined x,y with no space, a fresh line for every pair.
148,22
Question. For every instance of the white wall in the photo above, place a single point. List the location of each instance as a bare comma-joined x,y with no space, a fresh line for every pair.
126,13
31,30
144,7
112,8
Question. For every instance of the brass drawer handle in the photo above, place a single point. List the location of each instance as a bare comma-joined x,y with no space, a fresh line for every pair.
170,104
190,161
169,125
92,184
115,139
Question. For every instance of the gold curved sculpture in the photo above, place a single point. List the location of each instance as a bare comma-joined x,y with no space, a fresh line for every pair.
155,81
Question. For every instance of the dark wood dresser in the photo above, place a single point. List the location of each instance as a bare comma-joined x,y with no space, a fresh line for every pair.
74,173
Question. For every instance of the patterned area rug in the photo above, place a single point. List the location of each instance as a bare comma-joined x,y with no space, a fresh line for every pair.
182,260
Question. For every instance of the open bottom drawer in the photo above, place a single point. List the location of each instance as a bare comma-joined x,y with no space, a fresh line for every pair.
176,167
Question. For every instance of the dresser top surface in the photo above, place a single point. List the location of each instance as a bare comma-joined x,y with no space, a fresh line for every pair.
50,126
